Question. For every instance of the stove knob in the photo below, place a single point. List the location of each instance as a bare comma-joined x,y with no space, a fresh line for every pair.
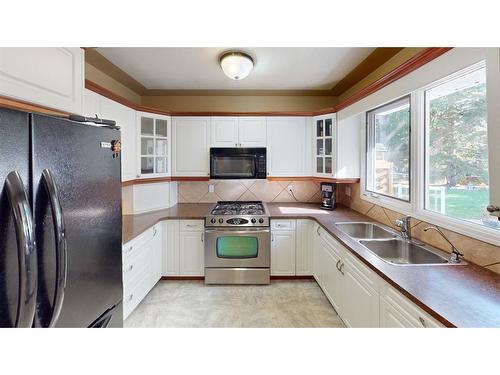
213,221
261,220
221,221
253,221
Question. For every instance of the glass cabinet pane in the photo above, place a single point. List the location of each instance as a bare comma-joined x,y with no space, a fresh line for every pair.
147,126
319,128
328,127
147,146
328,165
320,150
328,146
161,165
161,147
147,165
161,128
319,165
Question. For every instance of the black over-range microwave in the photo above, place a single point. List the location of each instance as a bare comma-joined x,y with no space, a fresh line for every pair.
233,163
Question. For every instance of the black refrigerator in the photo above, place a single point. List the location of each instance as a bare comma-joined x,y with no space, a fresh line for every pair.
60,223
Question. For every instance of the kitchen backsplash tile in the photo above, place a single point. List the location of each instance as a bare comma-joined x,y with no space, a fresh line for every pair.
244,190
475,251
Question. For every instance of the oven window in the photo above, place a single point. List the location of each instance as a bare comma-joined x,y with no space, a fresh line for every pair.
237,247
235,165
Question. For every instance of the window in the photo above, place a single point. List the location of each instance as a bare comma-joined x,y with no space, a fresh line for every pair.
456,149
388,150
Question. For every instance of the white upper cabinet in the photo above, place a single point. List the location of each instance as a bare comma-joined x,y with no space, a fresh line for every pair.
252,132
125,117
224,132
286,146
154,141
336,146
50,77
191,146
238,132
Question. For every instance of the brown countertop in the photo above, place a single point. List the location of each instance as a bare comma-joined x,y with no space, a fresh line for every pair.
457,296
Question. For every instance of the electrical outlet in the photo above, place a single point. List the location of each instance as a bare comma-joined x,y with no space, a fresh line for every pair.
348,191
211,188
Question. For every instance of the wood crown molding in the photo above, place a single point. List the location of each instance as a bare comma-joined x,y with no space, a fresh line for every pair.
407,67
28,107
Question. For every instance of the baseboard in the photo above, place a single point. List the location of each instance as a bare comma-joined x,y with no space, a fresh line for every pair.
300,277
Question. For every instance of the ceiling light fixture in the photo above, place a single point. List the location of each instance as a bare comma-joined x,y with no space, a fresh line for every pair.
236,65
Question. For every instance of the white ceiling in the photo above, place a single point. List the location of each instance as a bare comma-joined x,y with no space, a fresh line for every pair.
198,68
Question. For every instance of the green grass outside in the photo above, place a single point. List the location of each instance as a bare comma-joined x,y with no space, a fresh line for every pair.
465,204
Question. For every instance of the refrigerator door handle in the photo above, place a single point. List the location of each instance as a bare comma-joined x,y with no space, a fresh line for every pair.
28,271
60,239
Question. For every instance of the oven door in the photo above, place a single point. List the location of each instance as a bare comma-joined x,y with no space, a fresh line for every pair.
238,247
231,166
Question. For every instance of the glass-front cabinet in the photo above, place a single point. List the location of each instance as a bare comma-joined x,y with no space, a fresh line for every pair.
154,136
325,140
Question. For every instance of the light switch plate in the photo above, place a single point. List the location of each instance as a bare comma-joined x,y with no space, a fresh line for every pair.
211,188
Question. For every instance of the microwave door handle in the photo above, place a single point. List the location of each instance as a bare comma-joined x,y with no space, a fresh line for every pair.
28,271
60,239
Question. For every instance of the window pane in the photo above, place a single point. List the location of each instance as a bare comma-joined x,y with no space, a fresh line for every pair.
328,165
319,128
161,128
319,165
147,146
147,126
147,165
161,147
328,127
320,150
457,149
161,165
388,150
328,146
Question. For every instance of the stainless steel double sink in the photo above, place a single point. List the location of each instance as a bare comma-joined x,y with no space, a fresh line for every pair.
390,247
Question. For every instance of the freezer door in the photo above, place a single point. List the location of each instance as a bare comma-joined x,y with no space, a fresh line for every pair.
17,253
77,217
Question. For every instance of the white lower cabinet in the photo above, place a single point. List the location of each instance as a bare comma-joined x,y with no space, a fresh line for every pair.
171,250
396,311
142,260
191,258
304,248
328,258
283,242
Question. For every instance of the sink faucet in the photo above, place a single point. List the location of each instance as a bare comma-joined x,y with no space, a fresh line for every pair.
455,254
404,226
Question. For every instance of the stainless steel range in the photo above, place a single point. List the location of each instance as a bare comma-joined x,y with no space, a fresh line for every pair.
237,243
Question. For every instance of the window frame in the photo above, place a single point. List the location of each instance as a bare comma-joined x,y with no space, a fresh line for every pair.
410,154
416,206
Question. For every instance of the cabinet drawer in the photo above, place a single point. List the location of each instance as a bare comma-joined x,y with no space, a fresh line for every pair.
134,294
363,272
413,314
283,224
131,248
135,267
191,225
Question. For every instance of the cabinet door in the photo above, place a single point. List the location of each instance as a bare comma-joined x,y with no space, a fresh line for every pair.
125,119
191,151
252,132
360,301
157,254
390,317
325,141
154,143
331,277
283,253
286,139
317,251
224,132
171,249
304,250
51,77
191,254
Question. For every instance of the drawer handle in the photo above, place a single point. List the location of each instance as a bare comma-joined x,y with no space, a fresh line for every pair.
128,250
130,297
340,269
317,231
202,237
337,265
422,321
154,232
191,225
129,268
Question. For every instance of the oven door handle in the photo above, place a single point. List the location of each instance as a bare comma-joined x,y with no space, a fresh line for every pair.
230,230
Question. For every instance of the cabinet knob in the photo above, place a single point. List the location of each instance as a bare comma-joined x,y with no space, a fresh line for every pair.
422,321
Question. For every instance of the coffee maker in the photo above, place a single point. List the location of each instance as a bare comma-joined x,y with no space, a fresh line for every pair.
328,195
